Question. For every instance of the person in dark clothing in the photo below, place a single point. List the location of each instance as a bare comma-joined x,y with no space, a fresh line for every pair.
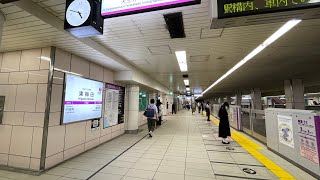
159,113
224,127
174,108
208,110
202,107
167,105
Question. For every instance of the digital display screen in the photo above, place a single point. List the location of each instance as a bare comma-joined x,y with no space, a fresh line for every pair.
113,8
236,8
82,99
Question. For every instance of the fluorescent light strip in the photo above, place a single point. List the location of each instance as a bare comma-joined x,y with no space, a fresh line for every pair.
188,89
186,82
285,28
182,60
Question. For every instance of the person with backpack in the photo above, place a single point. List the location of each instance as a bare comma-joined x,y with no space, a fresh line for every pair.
152,115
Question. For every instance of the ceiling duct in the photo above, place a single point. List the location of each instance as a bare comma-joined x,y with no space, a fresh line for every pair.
185,76
175,25
7,1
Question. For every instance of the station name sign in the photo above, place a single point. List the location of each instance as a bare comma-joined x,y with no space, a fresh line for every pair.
113,8
236,8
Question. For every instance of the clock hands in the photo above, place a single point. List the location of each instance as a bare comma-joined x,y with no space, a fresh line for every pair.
77,12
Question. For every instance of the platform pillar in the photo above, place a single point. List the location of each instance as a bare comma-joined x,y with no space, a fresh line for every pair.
133,109
256,98
294,94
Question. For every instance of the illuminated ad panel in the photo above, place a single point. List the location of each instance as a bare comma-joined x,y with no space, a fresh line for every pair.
236,8
113,8
82,99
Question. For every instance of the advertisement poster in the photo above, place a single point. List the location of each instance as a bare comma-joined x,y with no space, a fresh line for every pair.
285,130
126,6
308,140
82,99
114,105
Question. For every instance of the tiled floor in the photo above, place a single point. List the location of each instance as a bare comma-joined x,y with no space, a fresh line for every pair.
186,147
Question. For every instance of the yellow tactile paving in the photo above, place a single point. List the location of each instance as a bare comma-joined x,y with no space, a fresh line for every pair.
253,148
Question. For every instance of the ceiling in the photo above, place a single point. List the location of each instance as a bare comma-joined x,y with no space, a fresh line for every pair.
143,41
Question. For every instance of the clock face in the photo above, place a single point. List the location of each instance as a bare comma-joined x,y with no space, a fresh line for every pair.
78,12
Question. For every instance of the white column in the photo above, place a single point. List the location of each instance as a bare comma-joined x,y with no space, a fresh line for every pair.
256,98
294,92
133,108
2,19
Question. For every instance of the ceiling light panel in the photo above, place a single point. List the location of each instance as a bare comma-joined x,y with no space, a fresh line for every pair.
186,82
182,60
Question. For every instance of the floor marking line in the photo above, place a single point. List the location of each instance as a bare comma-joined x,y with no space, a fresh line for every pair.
253,148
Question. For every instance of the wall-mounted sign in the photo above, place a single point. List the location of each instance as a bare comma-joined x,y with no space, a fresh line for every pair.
82,99
307,132
236,8
285,130
114,105
113,8
95,124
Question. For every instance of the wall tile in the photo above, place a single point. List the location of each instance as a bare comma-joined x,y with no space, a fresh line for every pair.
4,78
56,98
11,61
9,91
41,98
58,77
5,136
18,161
105,138
30,60
35,164
54,160
75,134
105,131
91,144
21,140
115,128
18,78
73,151
80,66
38,76
13,118
26,97
54,119
45,56
62,60
55,143
33,119
96,72
90,133
36,142
4,159
108,76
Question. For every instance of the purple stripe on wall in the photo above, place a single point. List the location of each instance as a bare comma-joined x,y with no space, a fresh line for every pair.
82,102
145,7
317,127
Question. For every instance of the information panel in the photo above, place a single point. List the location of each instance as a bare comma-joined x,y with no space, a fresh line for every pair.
236,8
113,8
82,99
285,130
114,105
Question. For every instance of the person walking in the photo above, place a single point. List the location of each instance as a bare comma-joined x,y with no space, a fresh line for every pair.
224,127
159,112
199,107
174,108
193,107
152,120
208,110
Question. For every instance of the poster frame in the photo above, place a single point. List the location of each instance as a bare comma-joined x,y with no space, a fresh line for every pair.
63,98
104,110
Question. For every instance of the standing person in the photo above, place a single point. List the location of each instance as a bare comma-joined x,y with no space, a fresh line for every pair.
224,127
199,107
167,105
193,107
152,120
208,110
174,108
159,113
202,107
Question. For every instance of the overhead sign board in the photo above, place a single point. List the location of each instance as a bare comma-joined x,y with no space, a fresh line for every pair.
236,8
113,8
